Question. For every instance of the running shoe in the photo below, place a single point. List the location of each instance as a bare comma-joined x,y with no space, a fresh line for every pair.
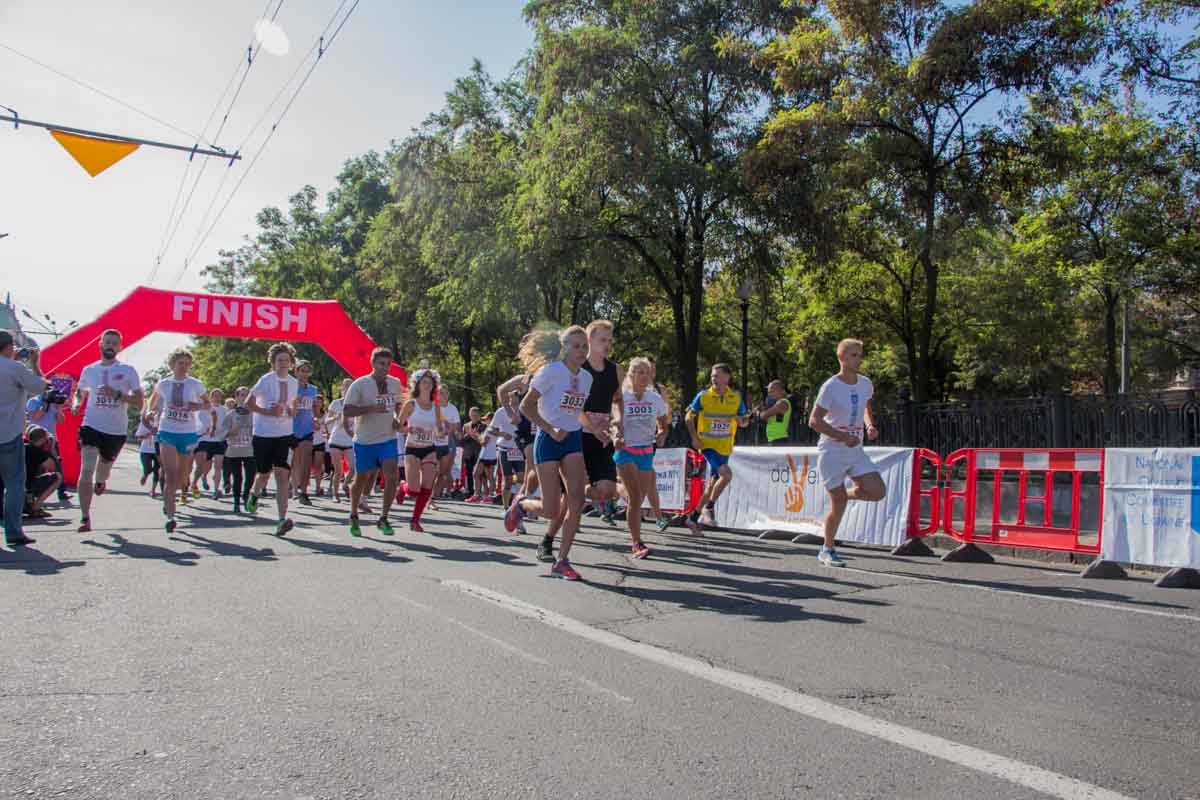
252,503
85,525
521,527
693,527
320,492
204,482
640,550
513,515
100,487
216,495
830,558
563,569
195,491
153,494
355,528
304,501
545,551
184,498
663,523
415,527
170,525
144,479
607,511
385,527
707,518
283,527
363,507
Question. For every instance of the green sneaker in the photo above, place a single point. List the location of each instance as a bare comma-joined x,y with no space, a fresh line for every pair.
355,529
385,527
663,523
252,503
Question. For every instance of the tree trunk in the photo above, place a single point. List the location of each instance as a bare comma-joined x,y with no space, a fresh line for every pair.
1112,380
467,350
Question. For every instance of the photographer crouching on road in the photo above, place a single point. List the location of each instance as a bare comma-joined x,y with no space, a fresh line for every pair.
20,377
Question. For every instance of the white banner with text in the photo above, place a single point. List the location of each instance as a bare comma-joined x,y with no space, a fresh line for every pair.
1152,507
779,488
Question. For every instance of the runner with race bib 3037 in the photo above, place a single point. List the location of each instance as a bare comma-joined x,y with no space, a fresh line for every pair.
713,419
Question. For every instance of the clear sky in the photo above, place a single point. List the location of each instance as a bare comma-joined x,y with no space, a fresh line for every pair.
78,244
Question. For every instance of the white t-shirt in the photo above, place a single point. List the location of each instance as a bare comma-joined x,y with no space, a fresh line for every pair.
640,417
177,417
488,453
374,428
562,395
453,421
210,432
845,404
108,414
341,430
422,427
502,421
239,432
269,390
145,438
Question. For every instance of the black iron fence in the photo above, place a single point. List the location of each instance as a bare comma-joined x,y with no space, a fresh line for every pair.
1164,419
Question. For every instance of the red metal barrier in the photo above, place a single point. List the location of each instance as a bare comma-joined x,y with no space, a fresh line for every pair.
696,470
916,529
1025,498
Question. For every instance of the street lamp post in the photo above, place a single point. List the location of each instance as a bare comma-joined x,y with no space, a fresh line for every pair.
744,293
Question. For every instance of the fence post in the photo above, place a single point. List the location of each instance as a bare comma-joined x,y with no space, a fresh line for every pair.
1060,420
906,416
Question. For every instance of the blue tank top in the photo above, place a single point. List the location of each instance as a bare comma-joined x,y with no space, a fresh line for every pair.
302,423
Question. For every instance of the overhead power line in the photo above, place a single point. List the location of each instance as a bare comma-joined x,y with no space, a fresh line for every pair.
321,46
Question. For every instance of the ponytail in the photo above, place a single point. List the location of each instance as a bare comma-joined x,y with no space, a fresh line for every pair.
544,346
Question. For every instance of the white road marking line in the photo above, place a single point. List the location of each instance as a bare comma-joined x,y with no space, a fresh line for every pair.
1011,770
1031,593
511,648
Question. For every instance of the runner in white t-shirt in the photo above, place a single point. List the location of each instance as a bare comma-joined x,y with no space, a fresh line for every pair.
273,401
554,404
341,445
175,402
512,460
446,444
210,452
110,388
147,430
643,419
842,410
421,419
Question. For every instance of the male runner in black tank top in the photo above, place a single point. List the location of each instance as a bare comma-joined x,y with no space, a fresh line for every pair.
602,402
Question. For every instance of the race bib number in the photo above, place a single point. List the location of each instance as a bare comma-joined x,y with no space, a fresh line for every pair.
107,401
515,454
572,402
241,438
720,427
304,403
420,437
385,401
179,413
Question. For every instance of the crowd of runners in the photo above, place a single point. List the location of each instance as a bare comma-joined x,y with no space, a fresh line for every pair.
588,427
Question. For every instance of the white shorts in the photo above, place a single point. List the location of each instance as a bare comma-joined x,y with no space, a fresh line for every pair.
837,463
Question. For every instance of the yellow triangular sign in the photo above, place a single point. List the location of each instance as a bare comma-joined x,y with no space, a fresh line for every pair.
94,155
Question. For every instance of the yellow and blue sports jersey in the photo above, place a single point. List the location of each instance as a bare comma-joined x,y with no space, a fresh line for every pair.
716,418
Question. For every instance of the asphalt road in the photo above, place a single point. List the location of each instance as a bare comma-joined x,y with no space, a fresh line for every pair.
221,662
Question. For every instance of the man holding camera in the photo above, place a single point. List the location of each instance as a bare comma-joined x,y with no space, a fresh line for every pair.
17,382
46,410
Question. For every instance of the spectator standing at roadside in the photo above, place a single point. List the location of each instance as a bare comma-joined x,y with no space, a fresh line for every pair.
777,411
17,382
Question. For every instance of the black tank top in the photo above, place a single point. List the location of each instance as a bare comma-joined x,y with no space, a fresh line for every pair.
604,386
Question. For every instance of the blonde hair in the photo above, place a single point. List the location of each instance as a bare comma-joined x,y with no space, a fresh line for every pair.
598,324
844,343
544,346
178,353
639,361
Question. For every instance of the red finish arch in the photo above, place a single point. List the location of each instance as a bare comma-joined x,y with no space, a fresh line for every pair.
147,311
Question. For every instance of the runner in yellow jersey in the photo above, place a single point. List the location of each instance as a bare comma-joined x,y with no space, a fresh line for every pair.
713,419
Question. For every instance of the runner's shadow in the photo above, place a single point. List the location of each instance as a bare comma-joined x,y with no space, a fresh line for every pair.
124,547
458,554
728,594
50,522
226,548
348,550
34,562
746,605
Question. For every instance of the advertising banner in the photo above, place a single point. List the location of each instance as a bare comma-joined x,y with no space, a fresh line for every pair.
779,488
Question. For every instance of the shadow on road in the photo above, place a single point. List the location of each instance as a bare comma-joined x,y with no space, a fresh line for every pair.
226,548
351,551
34,562
124,547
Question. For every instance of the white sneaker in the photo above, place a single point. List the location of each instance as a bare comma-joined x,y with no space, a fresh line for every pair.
830,558
707,518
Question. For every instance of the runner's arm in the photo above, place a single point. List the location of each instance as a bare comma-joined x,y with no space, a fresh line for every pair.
779,408
509,386
618,400
816,421
529,407
869,418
